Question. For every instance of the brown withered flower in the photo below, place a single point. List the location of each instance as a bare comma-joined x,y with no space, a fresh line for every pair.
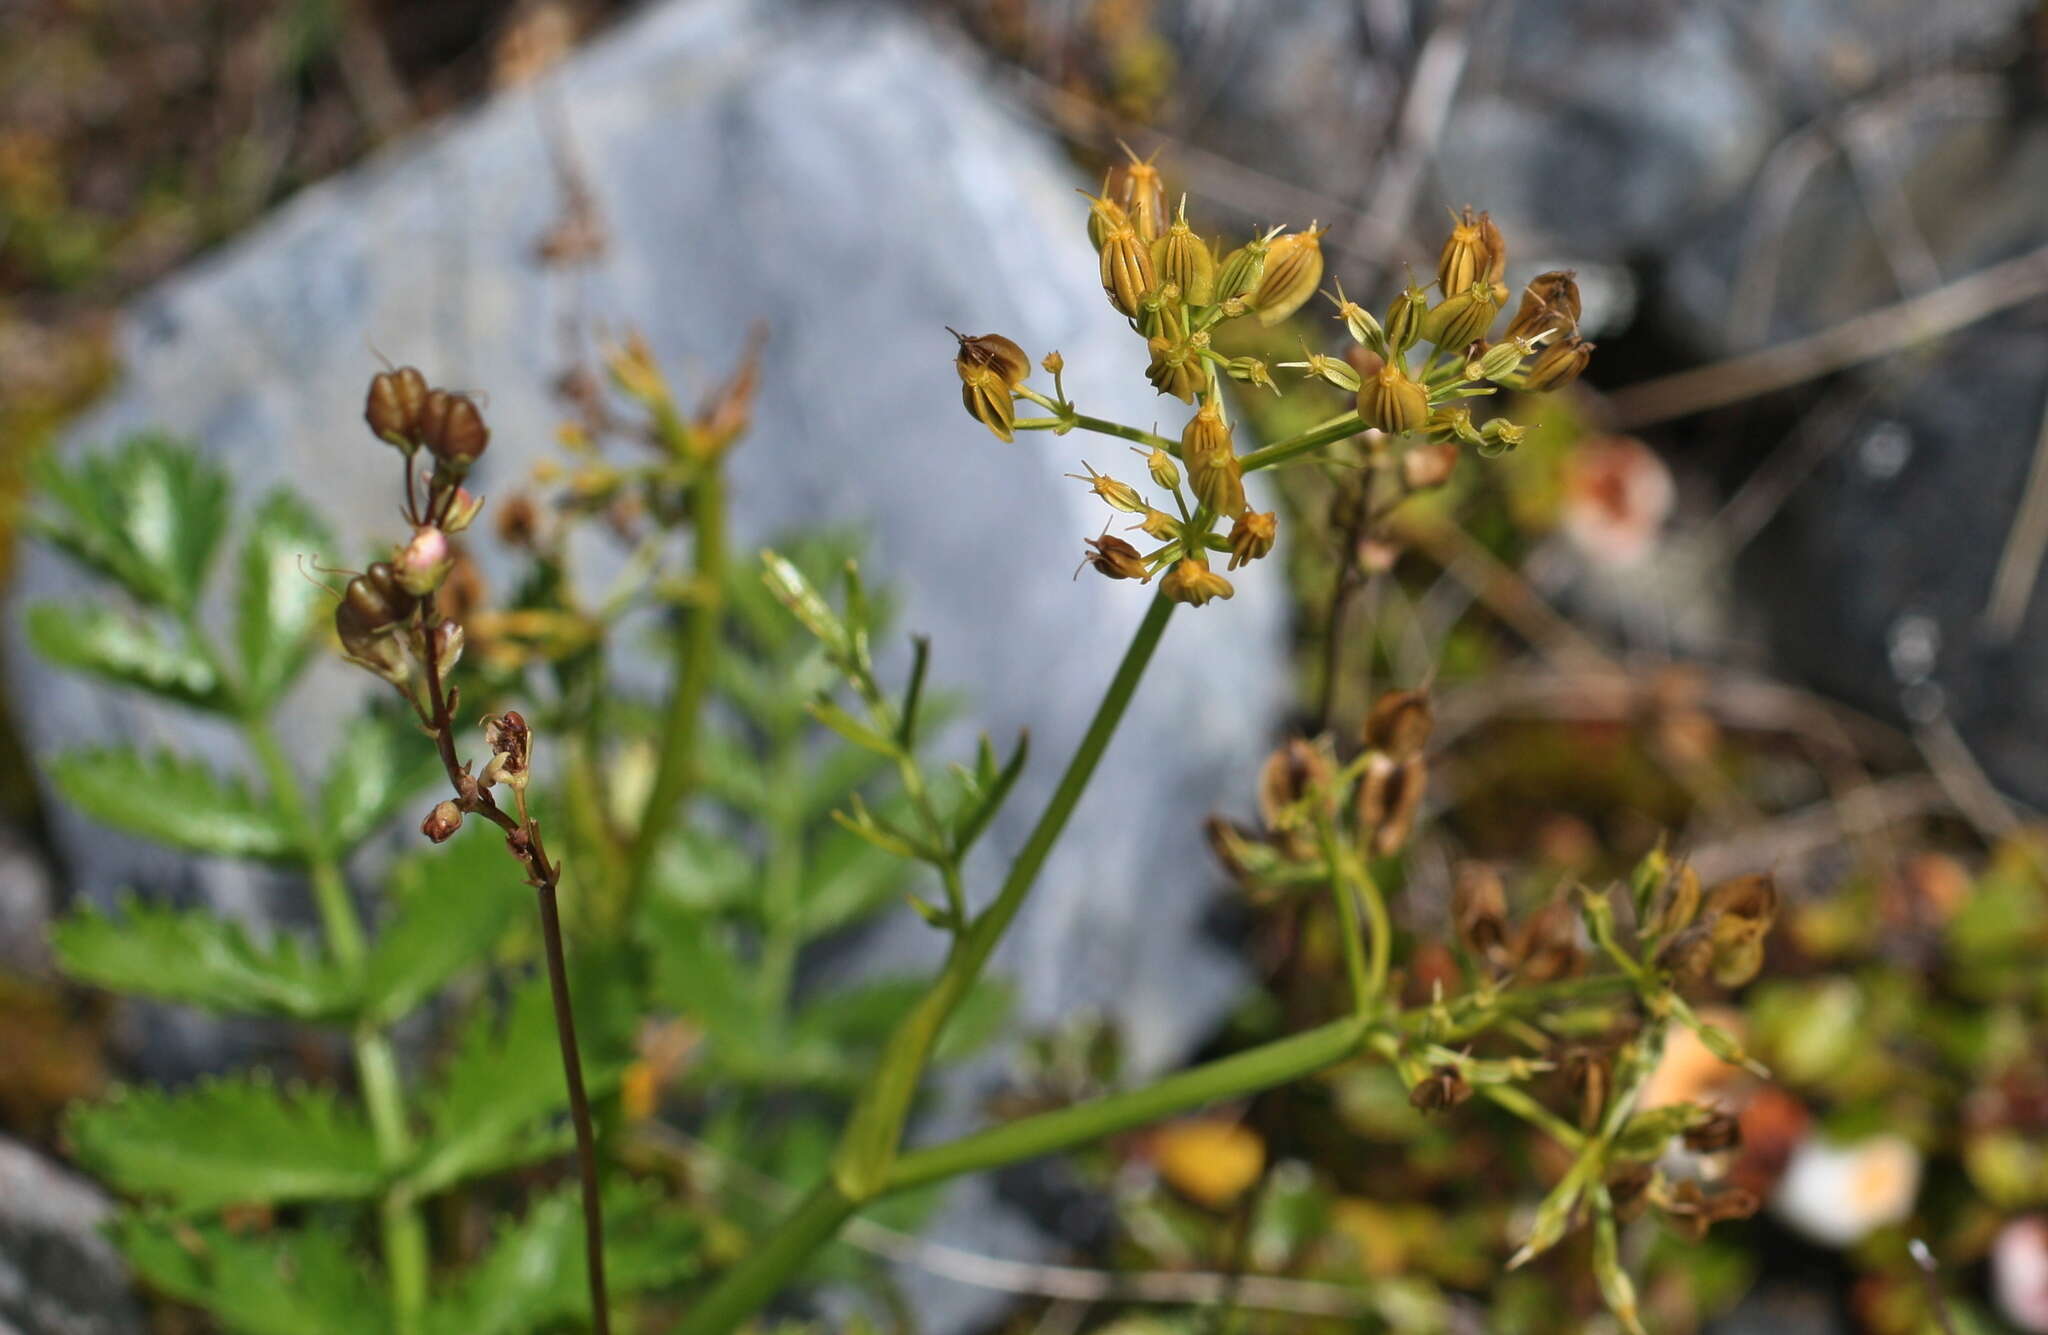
511,747
1690,1209
1550,306
1113,557
1389,799
1295,773
1399,723
994,352
1479,910
1557,364
1718,1131
1442,1089
1547,947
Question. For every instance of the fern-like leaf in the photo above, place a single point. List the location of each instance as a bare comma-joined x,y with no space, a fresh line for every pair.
97,640
384,759
303,1282
174,802
228,1141
277,602
453,904
201,959
149,515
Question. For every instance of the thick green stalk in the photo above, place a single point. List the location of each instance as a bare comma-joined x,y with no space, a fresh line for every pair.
747,1288
676,772
1364,989
404,1231
876,1128
1280,451
1231,1077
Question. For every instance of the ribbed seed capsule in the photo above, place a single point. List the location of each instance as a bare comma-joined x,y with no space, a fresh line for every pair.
1242,269
1182,257
1176,369
1496,259
987,400
1251,371
1126,270
1165,473
995,352
1252,536
1392,402
1464,260
452,429
377,600
1460,319
1294,269
1105,216
1213,470
1558,364
1404,318
393,406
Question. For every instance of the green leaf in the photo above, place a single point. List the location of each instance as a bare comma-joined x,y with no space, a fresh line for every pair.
200,959
796,593
852,729
703,872
453,904
845,878
228,1141
95,639
534,1275
696,970
496,1104
384,759
303,1282
987,790
175,802
278,603
149,514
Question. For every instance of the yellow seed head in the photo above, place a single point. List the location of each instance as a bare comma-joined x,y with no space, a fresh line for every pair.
1242,269
1294,269
1392,402
1105,216
1251,537
1496,259
1138,186
1120,495
1212,463
1160,526
1165,473
1192,582
1404,318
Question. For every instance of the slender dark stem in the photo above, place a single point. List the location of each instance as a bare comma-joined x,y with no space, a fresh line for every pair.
522,837
579,1106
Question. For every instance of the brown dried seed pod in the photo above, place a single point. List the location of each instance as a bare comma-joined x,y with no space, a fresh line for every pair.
1117,559
393,406
993,351
1557,364
1479,910
442,822
1295,771
1719,1131
1389,799
1550,305
1252,537
1547,947
1443,1088
1400,723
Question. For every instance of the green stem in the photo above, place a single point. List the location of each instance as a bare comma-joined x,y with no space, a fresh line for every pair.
746,1288
876,1128
1279,452
405,1234
676,772
1066,419
1364,995
1246,1072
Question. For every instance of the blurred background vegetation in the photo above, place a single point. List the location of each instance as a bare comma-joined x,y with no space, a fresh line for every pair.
1904,1009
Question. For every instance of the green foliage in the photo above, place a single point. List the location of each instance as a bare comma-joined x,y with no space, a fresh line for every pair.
175,802
533,1276
450,906
229,1141
125,650
148,515
277,603
303,1282
497,1104
202,960
383,762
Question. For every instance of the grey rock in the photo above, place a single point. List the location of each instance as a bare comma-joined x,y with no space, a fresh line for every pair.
26,896
841,175
58,1275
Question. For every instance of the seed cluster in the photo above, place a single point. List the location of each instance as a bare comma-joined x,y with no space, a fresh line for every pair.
1408,373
